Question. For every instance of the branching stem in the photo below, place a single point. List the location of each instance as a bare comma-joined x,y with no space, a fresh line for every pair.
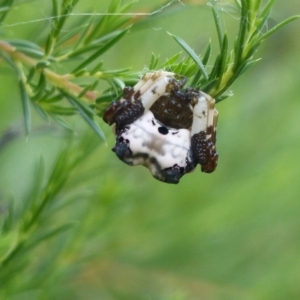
60,81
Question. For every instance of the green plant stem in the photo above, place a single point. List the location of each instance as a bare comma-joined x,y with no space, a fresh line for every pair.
57,80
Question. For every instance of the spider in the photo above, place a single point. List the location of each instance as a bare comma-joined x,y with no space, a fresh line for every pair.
165,127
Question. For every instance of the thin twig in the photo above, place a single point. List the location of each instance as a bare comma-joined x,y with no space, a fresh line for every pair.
57,80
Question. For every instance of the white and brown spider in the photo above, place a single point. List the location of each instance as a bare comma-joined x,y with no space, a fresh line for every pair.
165,127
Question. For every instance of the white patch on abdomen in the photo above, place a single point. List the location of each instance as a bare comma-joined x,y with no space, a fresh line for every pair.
168,149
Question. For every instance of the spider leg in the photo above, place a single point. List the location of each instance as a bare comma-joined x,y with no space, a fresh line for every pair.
203,132
152,86
137,101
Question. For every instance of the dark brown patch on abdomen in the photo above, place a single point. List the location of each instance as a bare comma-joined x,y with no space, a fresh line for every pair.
172,112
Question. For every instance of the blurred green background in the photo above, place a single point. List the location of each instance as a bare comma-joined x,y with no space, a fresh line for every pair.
233,234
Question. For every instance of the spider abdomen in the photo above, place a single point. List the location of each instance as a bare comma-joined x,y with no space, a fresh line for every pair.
173,112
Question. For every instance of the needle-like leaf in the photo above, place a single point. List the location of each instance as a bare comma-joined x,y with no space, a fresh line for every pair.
26,106
192,54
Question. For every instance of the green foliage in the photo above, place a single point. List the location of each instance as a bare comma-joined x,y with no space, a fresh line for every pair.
85,44
229,65
74,209
26,227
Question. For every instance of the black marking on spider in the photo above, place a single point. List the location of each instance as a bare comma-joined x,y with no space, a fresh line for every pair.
163,130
